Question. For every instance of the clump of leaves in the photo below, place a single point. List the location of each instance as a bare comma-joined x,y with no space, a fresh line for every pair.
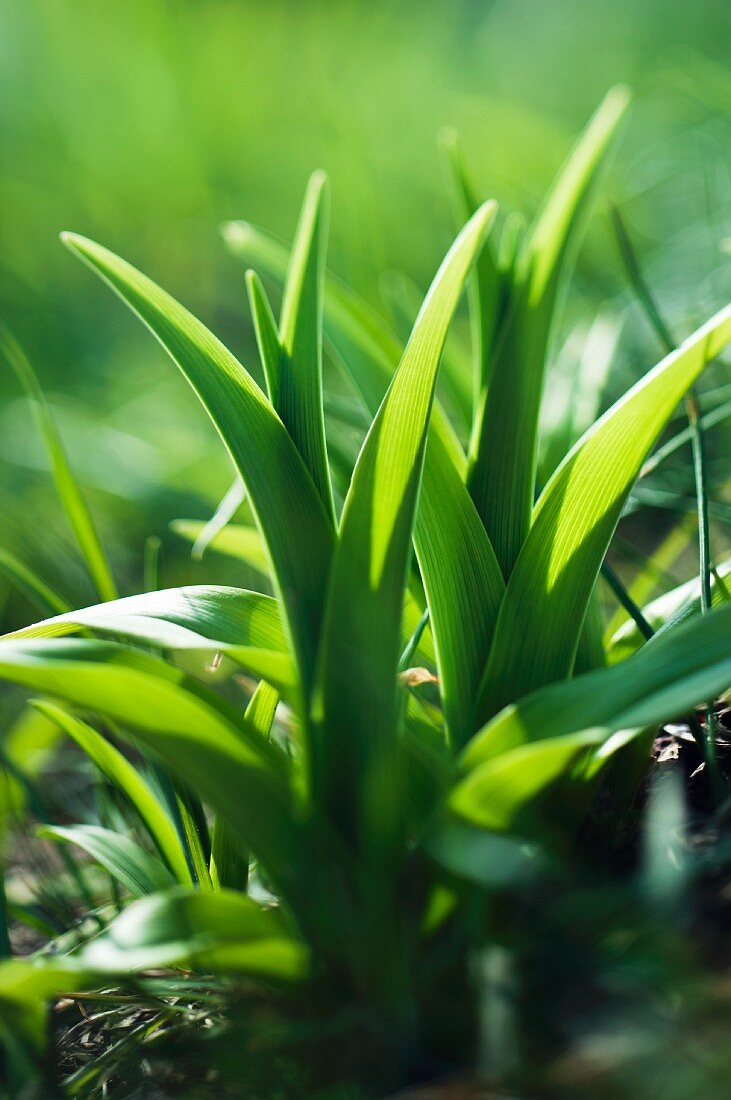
344,838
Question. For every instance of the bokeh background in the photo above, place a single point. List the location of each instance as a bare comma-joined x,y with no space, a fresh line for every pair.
146,123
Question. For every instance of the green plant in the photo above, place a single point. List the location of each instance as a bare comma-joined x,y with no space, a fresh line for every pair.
365,812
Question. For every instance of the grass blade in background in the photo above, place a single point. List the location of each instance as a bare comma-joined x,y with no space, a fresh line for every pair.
70,495
235,540
280,490
230,502
137,870
546,598
502,469
668,611
32,585
486,292
125,777
197,735
229,864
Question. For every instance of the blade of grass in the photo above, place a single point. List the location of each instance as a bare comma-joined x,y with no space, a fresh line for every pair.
125,777
139,871
32,585
229,864
226,510
486,290
234,540
70,495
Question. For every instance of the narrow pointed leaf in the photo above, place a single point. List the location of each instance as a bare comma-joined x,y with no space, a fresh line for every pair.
139,871
356,749
280,489
118,770
546,599
226,510
485,291
32,585
299,392
267,334
543,733
245,626
225,932
70,495
503,453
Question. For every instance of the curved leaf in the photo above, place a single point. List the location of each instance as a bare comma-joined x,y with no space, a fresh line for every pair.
70,495
356,749
125,777
299,392
281,492
198,735
545,603
243,625
502,469
138,870
225,932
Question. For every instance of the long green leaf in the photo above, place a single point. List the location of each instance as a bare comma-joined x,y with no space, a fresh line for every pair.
125,777
463,581
138,870
545,603
226,932
243,625
534,741
486,291
70,495
198,736
299,392
229,865
31,584
356,750
281,492
502,469
267,334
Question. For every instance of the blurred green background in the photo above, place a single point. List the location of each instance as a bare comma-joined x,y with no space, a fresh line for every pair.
146,123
